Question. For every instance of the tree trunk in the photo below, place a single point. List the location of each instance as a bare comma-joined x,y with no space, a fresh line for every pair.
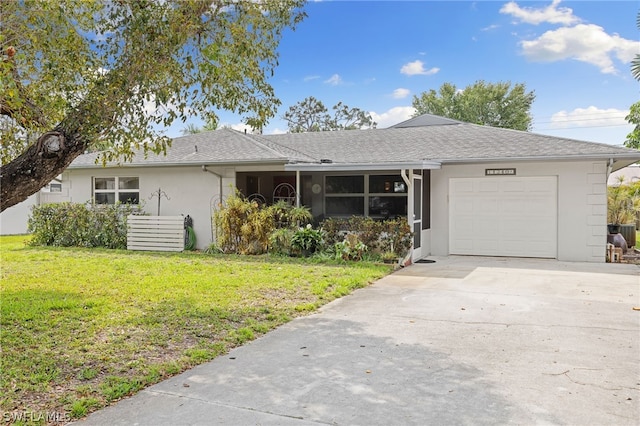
39,164
55,150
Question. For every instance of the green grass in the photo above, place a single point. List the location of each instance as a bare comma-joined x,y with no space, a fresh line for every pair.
638,239
81,328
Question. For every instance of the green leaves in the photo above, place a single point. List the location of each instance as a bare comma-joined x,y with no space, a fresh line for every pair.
113,74
635,63
490,104
633,138
310,115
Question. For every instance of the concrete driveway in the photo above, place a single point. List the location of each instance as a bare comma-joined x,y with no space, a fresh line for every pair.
465,340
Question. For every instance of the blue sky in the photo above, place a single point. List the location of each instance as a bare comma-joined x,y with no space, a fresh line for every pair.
376,55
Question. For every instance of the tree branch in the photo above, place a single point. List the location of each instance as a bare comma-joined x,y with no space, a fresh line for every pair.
28,112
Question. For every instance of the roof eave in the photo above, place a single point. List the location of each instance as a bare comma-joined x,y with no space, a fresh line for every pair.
632,157
183,164
322,167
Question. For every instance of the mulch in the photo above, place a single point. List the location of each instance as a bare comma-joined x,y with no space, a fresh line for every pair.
631,256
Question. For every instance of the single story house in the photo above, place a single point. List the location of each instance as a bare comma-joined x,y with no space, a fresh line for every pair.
465,189
13,221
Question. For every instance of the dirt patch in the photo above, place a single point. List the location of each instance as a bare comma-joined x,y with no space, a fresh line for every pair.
631,256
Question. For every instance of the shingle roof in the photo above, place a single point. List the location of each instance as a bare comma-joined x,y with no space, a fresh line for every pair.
438,139
426,120
445,143
220,146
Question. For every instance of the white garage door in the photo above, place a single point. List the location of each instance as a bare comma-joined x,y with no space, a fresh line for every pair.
503,216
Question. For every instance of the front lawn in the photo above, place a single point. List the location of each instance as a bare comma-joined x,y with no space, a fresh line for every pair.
82,328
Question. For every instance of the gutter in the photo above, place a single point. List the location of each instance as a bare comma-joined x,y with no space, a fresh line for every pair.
319,167
180,164
631,156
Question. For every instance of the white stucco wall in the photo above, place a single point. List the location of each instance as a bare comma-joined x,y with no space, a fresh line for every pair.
582,205
190,190
14,220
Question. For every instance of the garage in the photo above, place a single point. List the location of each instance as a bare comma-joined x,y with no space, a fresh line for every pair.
504,216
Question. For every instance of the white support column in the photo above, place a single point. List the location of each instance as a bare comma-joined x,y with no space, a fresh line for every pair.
297,188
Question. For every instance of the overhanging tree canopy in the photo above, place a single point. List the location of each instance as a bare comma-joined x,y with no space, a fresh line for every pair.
490,104
76,75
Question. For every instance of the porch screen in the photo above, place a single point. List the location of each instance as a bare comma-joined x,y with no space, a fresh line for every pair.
378,196
344,195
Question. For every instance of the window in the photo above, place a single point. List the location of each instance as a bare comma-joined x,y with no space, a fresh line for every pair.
344,184
55,187
384,184
387,196
124,190
344,195
379,196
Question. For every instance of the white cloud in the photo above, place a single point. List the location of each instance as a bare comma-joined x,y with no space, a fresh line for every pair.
401,93
490,27
393,116
311,77
241,127
589,117
551,14
277,131
334,80
417,68
586,43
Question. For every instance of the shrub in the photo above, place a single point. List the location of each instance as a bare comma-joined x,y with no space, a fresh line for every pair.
395,237
280,241
80,225
288,216
387,236
351,248
307,240
623,202
334,230
243,226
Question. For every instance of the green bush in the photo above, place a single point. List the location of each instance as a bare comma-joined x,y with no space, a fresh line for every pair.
246,227
395,237
307,240
280,241
288,216
80,225
367,229
243,226
623,202
387,236
351,248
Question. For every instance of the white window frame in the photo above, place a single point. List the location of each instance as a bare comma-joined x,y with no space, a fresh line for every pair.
116,190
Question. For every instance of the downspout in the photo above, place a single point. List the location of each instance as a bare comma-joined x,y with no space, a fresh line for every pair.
408,179
405,178
204,169
609,168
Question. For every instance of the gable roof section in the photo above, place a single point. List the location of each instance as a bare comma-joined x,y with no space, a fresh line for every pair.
447,143
421,142
223,146
426,120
